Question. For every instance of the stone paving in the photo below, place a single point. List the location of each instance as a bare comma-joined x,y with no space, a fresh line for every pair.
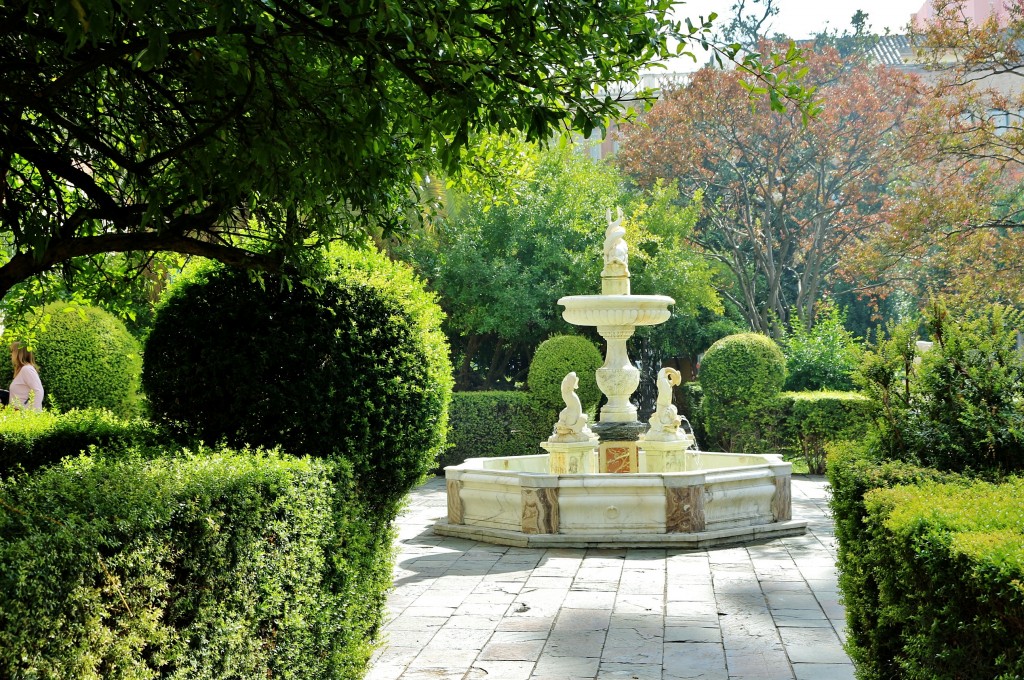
462,610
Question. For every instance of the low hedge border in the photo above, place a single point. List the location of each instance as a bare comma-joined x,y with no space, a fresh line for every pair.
949,563
216,564
29,439
491,424
852,473
810,420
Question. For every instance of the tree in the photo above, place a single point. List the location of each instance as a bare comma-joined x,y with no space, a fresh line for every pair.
783,200
245,131
500,268
958,228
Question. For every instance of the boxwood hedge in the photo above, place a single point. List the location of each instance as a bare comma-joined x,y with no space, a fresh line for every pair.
214,565
490,424
949,563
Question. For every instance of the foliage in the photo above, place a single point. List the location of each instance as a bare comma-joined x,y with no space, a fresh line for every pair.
29,440
491,424
821,357
245,132
217,564
499,268
958,406
356,369
741,375
87,359
949,562
958,228
811,420
553,360
852,472
783,201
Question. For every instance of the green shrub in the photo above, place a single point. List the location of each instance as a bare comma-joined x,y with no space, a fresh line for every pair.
958,406
87,359
226,565
357,369
556,357
491,424
853,471
741,375
813,419
823,357
30,440
948,560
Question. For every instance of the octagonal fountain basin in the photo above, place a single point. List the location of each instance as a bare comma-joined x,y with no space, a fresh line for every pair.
715,499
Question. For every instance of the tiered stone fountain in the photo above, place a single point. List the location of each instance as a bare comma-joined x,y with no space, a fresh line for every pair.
621,482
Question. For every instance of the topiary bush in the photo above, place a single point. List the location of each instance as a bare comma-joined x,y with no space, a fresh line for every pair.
29,440
741,376
490,424
357,368
556,357
87,360
214,564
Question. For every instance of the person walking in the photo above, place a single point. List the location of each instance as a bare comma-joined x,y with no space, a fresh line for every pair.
26,391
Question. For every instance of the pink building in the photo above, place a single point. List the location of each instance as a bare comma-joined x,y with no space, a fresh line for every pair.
976,10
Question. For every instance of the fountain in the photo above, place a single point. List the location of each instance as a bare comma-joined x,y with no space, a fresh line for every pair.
619,482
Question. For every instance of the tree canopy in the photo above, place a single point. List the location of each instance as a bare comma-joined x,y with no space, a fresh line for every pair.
783,199
245,130
500,268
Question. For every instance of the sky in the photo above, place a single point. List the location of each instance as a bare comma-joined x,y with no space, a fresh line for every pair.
804,18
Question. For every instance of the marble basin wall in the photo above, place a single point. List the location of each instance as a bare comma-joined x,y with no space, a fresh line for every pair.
516,494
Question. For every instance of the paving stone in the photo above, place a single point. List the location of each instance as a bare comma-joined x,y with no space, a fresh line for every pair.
693,660
525,650
500,670
579,643
628,671
565,668
692,634
582,619
823,671
813,645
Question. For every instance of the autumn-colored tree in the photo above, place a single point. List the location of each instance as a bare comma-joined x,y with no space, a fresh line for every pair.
958,224
785,198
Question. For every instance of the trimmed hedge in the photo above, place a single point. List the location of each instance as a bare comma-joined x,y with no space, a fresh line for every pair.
949,563
491,424
211,566
553,360
87,359
30,440
812,419
357,368
741,375
852,473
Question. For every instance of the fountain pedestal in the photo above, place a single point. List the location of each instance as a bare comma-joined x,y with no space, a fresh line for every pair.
571,458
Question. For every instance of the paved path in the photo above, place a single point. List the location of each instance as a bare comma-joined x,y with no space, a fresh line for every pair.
463,610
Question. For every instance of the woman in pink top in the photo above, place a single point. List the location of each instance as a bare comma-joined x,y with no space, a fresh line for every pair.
26,388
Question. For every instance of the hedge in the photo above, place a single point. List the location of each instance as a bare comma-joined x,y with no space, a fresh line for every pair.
812,419
949,563
30,440
490,424
212,565
852,473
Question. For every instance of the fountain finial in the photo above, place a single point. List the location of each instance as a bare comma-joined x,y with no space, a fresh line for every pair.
615,276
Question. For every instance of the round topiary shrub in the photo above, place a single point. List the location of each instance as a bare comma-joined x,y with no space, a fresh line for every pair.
554,358
358,369
87,359
740,375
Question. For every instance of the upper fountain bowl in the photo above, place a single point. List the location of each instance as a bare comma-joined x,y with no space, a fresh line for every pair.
616,310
